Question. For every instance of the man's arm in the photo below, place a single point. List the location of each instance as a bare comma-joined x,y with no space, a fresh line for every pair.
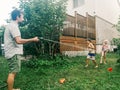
19,40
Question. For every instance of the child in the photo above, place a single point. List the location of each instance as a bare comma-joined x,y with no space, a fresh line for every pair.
105,49
91,54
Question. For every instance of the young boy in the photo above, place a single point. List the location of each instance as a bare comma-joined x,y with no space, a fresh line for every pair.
91,54
105,49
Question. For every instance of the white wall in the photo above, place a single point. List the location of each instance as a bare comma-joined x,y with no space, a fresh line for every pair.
107,9
104,30
89,7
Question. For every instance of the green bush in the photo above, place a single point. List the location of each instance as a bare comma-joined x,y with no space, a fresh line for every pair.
44,62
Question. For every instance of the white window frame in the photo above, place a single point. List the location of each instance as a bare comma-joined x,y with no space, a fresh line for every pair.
78,3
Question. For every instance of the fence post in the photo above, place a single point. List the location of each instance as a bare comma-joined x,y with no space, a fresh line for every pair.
75,31
75,25
87,24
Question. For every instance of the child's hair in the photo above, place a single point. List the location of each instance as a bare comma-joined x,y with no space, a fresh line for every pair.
105,41
15,13
89,40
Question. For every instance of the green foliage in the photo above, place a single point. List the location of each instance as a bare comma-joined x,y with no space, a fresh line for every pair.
40,63
118,25
116,42
58,61
2,29
43,18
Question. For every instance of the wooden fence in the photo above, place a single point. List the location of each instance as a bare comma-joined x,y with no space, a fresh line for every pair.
76,30
69,43
72,44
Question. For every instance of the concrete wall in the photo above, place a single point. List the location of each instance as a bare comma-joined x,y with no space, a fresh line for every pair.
88,6
107,9
104,30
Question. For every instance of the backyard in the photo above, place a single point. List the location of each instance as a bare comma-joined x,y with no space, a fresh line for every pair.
45,74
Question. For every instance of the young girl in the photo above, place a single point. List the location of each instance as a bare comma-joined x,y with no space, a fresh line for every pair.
105,49
91,54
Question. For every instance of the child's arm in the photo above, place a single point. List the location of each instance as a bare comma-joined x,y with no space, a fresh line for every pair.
92,46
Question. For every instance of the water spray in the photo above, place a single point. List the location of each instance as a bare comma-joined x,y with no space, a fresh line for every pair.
41,38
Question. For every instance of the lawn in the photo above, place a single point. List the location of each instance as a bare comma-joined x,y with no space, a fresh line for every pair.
46,75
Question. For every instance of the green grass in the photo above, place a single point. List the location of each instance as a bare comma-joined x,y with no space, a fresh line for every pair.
72,69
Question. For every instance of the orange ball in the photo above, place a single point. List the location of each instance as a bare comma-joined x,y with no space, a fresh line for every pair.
62,80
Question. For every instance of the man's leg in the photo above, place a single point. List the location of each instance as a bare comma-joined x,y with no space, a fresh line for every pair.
10,80
14,67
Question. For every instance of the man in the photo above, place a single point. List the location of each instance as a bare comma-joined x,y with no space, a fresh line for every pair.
14,46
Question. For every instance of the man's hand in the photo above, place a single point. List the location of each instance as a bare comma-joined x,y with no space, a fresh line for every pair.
35,39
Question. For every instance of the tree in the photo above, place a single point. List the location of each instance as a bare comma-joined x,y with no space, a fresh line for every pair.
2,29
118,25
43,18
116,41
